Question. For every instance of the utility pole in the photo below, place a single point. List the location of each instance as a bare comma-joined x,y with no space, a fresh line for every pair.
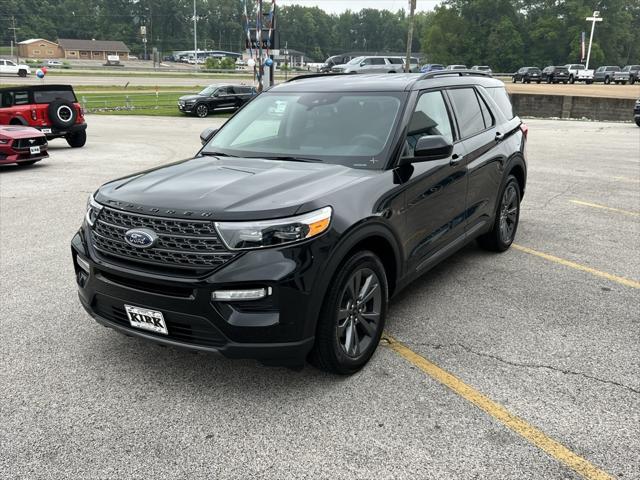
596,18
195,35
15,39
412,12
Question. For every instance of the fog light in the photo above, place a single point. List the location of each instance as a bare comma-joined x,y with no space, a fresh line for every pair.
83,264
241,295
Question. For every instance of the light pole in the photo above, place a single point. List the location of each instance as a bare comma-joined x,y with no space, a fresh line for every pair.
412,11
195,35
596,18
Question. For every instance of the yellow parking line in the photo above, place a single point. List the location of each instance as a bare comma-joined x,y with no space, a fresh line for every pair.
561,261
604,207
497,411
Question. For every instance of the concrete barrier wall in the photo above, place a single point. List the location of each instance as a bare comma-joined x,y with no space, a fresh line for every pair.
563,106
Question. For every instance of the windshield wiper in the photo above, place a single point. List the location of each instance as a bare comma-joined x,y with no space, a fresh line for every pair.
217,154
286,158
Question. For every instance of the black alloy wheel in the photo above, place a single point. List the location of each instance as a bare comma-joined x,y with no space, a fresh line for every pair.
353,316
505,225
202,110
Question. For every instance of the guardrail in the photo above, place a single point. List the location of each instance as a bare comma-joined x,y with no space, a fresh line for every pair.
133,101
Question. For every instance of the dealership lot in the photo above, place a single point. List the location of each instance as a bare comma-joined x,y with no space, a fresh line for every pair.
547,331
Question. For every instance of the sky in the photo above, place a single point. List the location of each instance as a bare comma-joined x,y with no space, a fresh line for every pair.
338,6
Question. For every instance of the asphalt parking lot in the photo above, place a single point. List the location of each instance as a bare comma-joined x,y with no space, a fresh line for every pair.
547,332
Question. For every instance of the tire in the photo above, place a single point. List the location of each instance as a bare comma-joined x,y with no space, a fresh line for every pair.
343,343
638,122
571,80
632,80
524,79
62,114
22,73
624,82
501,236
589,82
538,81
201,110
565,82
514,80
77,139
548,79
607,80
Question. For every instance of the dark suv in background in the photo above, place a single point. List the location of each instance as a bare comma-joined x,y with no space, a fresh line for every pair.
527,75
555,74
216,98
285,237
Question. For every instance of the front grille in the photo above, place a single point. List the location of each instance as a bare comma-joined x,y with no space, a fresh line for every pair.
25,143
181,243
193,330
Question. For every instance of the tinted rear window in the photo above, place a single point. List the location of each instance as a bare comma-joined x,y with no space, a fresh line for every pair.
48,96
395,61
501,97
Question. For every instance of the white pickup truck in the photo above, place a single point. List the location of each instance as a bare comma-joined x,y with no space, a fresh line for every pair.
579,73
7,67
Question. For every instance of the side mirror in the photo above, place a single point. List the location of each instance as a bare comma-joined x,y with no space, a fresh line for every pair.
207,134
362,64
429,147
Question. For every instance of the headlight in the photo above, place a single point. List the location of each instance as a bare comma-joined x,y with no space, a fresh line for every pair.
93,210
272,233
3,141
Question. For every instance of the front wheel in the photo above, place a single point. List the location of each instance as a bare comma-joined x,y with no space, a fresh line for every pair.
607,81
507,218
632,80
22,73
77,139
514,79
202,110
352,319
572,80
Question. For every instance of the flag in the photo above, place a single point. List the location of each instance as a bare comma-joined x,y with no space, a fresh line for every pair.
583,53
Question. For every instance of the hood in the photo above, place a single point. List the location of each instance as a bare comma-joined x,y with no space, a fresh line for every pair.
186,98
229,188
18,131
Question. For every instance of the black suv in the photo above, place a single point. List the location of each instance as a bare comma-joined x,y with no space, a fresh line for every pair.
216,98
555,74
527,75
286,235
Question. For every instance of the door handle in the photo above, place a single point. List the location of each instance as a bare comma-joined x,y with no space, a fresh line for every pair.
499,136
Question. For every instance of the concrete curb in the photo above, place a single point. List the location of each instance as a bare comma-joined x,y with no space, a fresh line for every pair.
566,107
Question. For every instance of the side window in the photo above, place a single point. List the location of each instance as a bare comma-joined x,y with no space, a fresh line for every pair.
468,112
7,98
500,96
231,91
21,98
222,91
379,61
1,63
367,61
429,118
489,121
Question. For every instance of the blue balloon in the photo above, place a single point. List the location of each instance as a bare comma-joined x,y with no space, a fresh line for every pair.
39,73
268,62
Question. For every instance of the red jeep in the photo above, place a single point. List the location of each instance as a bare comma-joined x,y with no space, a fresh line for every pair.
52,109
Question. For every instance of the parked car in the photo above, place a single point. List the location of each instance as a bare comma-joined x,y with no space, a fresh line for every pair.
52,109
53,64
555,74
216,98
431,67
8,67
414,64
376,64
482,68
456,67
579,73
605,74
22,145
285,236
628,74
527,75
331,62
636,112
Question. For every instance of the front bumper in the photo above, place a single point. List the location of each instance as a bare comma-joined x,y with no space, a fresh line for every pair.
186,108
277,330
13,156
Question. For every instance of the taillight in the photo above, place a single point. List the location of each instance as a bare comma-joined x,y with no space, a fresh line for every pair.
525,130
34,115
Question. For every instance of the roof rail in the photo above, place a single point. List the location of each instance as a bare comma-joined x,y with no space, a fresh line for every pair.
461,73
314,75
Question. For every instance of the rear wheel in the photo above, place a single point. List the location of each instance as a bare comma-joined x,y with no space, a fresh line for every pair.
514,79
607,80
638,122
352,319
632,80
572,80
202,110
505,225
76,139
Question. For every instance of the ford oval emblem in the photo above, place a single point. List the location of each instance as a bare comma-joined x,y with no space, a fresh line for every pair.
141,237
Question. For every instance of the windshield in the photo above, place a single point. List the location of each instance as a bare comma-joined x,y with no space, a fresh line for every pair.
351,129
356,60
207,92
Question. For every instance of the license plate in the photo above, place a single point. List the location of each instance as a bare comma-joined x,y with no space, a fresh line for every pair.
45,130
146,319
34,150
